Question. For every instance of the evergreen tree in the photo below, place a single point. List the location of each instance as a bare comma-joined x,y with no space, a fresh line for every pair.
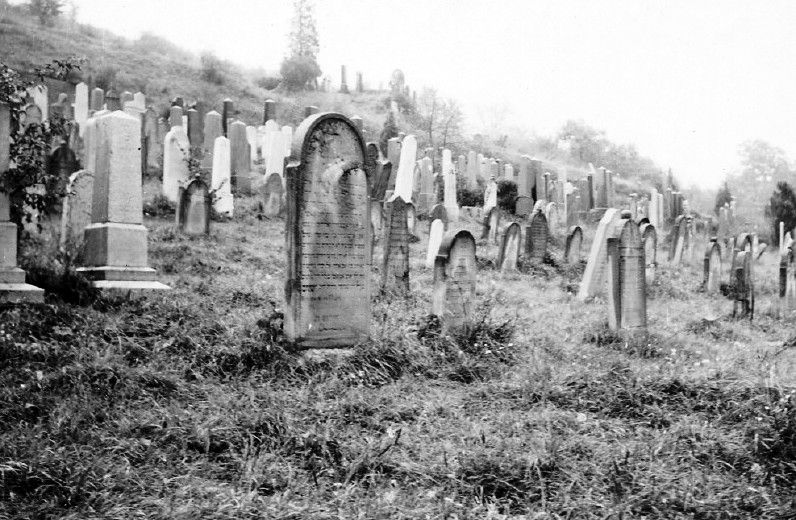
722,196
301,68
782,208
389,131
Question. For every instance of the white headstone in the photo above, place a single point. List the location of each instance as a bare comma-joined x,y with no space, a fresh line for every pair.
287,138
435,235
404,180
176,148
594,275
81,106
221,181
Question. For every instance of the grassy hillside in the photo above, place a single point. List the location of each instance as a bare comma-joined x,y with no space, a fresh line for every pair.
189,405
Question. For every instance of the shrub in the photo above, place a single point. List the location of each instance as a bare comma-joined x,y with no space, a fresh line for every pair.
213,69
268,82
782,208
299,71
106,77
507,196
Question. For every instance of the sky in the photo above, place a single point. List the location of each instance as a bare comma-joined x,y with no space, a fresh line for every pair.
685,81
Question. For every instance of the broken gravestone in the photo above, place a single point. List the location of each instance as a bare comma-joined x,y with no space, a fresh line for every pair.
453,299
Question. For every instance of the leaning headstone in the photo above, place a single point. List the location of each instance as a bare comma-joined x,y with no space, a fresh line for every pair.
455,270
787,282
649,240
537,237
378,170
679,233
435,235
593,280
328,235
12,279
626,291
490,196
40,94
76,212
490,225
175,162
221,179
712,267
395,263
573,245
404,180
193,208
743,286
273,195
439,212
116,241
509,254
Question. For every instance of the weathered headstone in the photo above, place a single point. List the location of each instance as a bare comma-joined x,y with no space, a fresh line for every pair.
626,291
227,113
97,100
573,246
491,224
195,130
379,170
435,236
287,139
175,117
712,267
649,240
116,241
212,131
449,179
455,272
240,157
439,212
472,169
593,280
490,196
679,237
743,286
40,94
273,195
395,264
175,162
221,180
509,253
404,180
328,235
76,212
787,282
536,238
553,217
81,105
193,208
12,279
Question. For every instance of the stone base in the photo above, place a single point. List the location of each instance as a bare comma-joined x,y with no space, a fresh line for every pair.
20,292
126,286
12,275
123,278
114,244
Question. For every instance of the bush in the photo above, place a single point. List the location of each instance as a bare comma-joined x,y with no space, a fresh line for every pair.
106,77
268,82
507,196
782,208
213,69
299,71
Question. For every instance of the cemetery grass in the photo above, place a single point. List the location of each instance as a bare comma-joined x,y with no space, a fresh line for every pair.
190,404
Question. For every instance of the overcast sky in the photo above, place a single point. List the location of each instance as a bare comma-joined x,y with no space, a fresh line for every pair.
686,81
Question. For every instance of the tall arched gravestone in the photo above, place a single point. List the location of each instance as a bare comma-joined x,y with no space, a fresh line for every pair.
573,245
438,212
743,286
379,170
537,238
593,280
193,208
626,291
490,225
273,193
509,254
435,235
453,299
76,211
551,214
328,235
712,266
679,237
395,262
787,281
649,241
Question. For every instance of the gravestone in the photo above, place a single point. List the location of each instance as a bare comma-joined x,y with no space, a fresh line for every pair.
227,113
328,235
193,208
593,281
152,151
76,212
787,282
61,164
221,181
455,270
395,262
435,236
240,157
404,180
536,238
379,170
195,130
677,245
491,223
212,131
573,245
712,267
743,286
394,157
626,279
439,212
287,139
175,162
472,169
81,105
649,240
490,196
269,110
175,117
551,213
97,100
273,195
12,279
509,254
116,240
524,206
40,95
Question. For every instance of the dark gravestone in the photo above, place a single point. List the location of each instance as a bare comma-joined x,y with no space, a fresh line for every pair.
195,130
193,208
536,238
379,170
327,290
524,206
572,250
454,282
395,263
273,195
743,286
62,163
269,110
227,113
712,267
678,234
509,253
490,225
787,282
649,240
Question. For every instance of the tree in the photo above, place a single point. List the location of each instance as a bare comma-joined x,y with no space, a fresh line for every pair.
439,118
301,67
782,208
723,196
389,131
587,144
46,10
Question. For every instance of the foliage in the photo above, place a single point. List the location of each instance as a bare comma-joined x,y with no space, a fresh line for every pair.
105,77
212,68
466,196
46,10
507,195
268,82
782,208
440,119
724,196
32,190
298,71
389,131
